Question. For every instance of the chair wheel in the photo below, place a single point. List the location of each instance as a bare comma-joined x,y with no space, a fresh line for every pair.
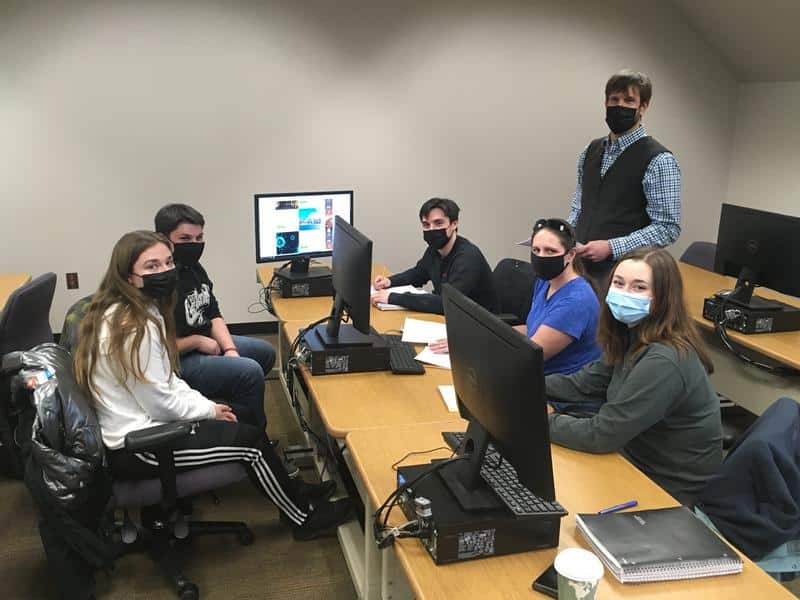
245,537
189,592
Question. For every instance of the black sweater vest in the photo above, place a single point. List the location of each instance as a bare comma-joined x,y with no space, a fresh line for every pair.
614,205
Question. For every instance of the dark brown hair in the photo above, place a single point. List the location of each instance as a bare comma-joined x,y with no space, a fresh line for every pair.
447,206
624,79
668,323
127,323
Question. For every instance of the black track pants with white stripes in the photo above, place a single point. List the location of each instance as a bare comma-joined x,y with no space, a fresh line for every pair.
222,441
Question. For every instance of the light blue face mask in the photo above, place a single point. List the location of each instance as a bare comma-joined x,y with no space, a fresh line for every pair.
627,308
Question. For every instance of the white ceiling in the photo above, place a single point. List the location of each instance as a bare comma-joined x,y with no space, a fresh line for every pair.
759,39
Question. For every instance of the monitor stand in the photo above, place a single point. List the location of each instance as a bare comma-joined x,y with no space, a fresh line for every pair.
463,477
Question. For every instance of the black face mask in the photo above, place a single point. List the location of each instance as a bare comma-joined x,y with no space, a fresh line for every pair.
548,267
620,118
188,253
436,238
159,285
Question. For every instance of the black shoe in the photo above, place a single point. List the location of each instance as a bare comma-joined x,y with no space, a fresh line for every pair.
325,518
315,492
292,470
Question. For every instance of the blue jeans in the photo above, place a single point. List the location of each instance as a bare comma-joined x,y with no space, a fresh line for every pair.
235,380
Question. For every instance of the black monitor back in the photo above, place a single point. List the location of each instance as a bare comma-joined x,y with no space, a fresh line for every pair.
498,375
765,242
352,270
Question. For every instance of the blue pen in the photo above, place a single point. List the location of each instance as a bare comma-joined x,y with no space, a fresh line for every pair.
618,507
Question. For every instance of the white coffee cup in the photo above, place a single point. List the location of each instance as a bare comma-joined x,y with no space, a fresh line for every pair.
579,572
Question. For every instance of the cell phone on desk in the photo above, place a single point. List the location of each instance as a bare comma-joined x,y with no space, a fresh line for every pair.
547,582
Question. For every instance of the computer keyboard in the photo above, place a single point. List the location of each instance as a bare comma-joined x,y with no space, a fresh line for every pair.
401,356
502,478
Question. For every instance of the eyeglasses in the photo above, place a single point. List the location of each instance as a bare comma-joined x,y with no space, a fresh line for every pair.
556,225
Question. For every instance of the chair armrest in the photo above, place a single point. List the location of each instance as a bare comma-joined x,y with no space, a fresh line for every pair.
158,435
510,319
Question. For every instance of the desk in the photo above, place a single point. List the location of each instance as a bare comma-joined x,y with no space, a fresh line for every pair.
748,386
10,282
582,485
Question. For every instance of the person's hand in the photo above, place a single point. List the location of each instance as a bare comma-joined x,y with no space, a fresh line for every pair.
595,251
223,412
381,297
381,283
231,352
207,345
439,346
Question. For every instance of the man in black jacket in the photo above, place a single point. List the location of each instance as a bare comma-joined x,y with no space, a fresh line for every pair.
449,258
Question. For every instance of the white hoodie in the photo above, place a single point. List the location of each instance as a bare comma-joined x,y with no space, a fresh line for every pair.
162,397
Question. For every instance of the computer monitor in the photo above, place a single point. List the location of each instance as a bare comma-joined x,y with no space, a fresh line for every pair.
352,270
498,376
299,226
759,248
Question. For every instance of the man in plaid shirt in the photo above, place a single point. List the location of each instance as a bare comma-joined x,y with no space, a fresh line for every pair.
629,185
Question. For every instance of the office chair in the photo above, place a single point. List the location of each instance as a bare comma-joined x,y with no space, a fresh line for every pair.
24,322
513,281
700,254
754,498
163,526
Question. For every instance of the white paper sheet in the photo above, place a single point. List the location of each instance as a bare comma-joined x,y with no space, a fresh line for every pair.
430,357
400,289
448,393
417,331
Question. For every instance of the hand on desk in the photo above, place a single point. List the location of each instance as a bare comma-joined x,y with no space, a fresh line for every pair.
439,346
381,282
380,297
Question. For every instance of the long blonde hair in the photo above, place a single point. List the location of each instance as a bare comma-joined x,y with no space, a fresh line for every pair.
128,322
668,323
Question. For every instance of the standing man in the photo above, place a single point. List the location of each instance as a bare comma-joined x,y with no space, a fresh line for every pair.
629,185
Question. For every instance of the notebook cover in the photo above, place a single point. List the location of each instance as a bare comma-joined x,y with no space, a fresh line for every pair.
649,539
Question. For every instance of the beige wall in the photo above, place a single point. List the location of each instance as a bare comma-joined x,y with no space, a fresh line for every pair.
109,110
766,151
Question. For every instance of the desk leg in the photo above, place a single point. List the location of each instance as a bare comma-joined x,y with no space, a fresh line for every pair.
748,386
394,585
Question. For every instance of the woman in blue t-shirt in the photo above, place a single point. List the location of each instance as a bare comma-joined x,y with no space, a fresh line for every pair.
565,309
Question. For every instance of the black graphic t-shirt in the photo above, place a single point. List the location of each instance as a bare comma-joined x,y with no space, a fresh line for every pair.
196,304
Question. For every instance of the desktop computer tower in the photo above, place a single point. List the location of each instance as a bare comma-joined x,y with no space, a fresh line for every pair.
327,360
453,535
317,281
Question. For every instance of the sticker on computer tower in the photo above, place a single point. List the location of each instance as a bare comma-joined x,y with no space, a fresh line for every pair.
300,289
337,363
472,544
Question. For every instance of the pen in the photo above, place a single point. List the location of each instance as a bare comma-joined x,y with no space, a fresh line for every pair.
618,507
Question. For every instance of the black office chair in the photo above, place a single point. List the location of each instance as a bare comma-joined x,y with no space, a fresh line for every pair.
25,320
163,525
700,254
24,323
513,281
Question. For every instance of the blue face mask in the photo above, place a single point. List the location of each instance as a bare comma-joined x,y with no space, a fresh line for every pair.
627,308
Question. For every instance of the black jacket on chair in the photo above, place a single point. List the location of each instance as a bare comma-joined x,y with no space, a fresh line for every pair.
65,469
754,499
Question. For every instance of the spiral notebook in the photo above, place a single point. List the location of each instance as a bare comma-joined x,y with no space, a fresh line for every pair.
657,545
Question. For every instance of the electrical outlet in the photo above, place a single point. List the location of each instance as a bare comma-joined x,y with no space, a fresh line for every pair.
72,281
